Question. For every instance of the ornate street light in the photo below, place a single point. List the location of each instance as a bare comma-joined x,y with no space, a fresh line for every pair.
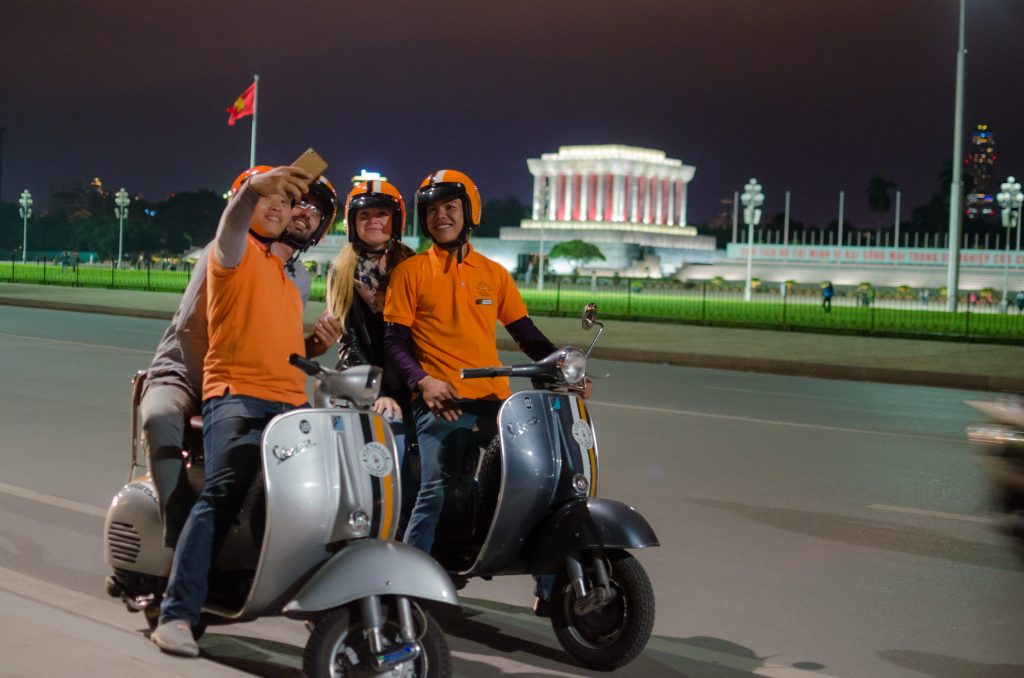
25,211
752,198
1010,200
122,201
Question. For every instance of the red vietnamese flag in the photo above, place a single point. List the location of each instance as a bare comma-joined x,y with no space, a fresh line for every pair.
243,105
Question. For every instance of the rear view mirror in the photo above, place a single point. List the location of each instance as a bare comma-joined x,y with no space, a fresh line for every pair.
589,316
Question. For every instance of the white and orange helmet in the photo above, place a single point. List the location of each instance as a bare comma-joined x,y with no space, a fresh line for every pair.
448,184
375,193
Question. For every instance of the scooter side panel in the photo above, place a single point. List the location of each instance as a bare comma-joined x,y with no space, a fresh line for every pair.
133,534
322,466
373,567
547,440
590,524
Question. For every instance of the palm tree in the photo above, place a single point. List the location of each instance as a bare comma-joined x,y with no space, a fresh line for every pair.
877,193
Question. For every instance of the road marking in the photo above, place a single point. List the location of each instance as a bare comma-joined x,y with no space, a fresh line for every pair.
76,343
59,502
778,393
791,424
984,520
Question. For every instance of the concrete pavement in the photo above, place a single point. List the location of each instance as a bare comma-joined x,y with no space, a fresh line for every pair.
45,629
952,364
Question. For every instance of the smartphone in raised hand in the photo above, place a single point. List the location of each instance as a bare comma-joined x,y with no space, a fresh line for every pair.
312,162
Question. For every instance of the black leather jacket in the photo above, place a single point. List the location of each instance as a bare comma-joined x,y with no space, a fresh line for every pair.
363,343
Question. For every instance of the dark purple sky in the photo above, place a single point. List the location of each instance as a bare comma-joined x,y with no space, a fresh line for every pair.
812,96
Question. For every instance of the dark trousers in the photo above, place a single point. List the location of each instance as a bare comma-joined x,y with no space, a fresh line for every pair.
232,427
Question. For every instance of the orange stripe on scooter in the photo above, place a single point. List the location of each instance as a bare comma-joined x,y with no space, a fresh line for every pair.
386,486
590,450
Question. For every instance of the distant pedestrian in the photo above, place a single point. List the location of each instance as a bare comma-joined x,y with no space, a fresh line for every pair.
1019,300
827,293
75,260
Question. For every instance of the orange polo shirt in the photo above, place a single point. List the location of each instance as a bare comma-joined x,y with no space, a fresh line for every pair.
254,316
452,309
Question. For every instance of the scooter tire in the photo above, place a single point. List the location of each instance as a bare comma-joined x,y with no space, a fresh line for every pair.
326,655
614,635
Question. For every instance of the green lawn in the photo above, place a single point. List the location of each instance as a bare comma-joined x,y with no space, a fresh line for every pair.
639,301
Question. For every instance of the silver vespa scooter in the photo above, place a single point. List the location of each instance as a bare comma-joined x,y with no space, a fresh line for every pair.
314,541
529,504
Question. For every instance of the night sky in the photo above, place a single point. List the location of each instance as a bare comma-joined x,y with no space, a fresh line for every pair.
812,96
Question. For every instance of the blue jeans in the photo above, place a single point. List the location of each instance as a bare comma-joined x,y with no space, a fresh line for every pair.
232,427
442,445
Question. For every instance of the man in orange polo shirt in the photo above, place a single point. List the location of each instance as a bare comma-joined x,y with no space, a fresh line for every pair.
441,309
254,323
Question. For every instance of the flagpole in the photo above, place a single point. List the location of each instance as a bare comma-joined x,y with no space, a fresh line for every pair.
255,106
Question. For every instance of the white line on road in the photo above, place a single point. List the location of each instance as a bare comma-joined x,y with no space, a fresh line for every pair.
792,424
76,343
60,502
937,514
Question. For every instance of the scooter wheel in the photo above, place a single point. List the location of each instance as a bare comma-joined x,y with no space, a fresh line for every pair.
338,647
611,636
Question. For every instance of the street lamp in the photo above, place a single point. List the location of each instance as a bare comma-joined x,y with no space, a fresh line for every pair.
25,211
752,198
122,201
1010,200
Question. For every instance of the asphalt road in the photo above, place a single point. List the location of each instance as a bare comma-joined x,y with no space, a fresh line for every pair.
808,527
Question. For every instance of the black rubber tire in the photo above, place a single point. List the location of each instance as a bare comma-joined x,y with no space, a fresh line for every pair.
614,635
334,627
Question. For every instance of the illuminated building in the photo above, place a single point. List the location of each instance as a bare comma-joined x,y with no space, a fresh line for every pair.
629,201
979,162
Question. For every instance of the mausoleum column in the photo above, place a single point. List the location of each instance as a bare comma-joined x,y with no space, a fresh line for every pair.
538,196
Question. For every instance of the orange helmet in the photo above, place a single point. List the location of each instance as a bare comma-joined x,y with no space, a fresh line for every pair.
321,191
375,193
241,179
448,184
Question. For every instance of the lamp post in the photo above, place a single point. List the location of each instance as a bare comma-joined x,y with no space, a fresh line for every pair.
122,201
25,211
752,198
1010,201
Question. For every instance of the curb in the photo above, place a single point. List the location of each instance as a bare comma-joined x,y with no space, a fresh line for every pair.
885,375
796,368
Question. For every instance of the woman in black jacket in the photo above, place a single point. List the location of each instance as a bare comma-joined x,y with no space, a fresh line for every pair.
357,282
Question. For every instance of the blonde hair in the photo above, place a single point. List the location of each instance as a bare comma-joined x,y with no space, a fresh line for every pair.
341,281
341,277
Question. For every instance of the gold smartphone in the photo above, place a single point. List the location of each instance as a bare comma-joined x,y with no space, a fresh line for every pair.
312,162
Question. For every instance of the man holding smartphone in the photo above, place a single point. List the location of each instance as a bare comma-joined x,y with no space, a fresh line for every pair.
172,394
254,324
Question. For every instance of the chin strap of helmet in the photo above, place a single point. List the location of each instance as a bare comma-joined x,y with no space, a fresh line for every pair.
266,241
456,244
364,250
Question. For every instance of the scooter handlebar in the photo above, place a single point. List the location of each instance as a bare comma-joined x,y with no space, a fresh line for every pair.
484,372
310,367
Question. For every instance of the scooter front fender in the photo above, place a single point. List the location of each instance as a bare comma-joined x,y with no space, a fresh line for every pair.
590,524
373,567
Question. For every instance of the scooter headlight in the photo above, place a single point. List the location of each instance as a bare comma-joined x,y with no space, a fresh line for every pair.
573,367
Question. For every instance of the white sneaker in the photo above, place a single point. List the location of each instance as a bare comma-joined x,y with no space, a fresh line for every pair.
175,637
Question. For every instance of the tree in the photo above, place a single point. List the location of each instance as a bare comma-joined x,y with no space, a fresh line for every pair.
877,193
498,212
576,252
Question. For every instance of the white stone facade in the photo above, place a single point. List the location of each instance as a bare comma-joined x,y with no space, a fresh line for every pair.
609,183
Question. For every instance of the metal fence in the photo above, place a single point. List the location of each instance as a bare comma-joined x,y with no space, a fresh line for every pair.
982,315
857,309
